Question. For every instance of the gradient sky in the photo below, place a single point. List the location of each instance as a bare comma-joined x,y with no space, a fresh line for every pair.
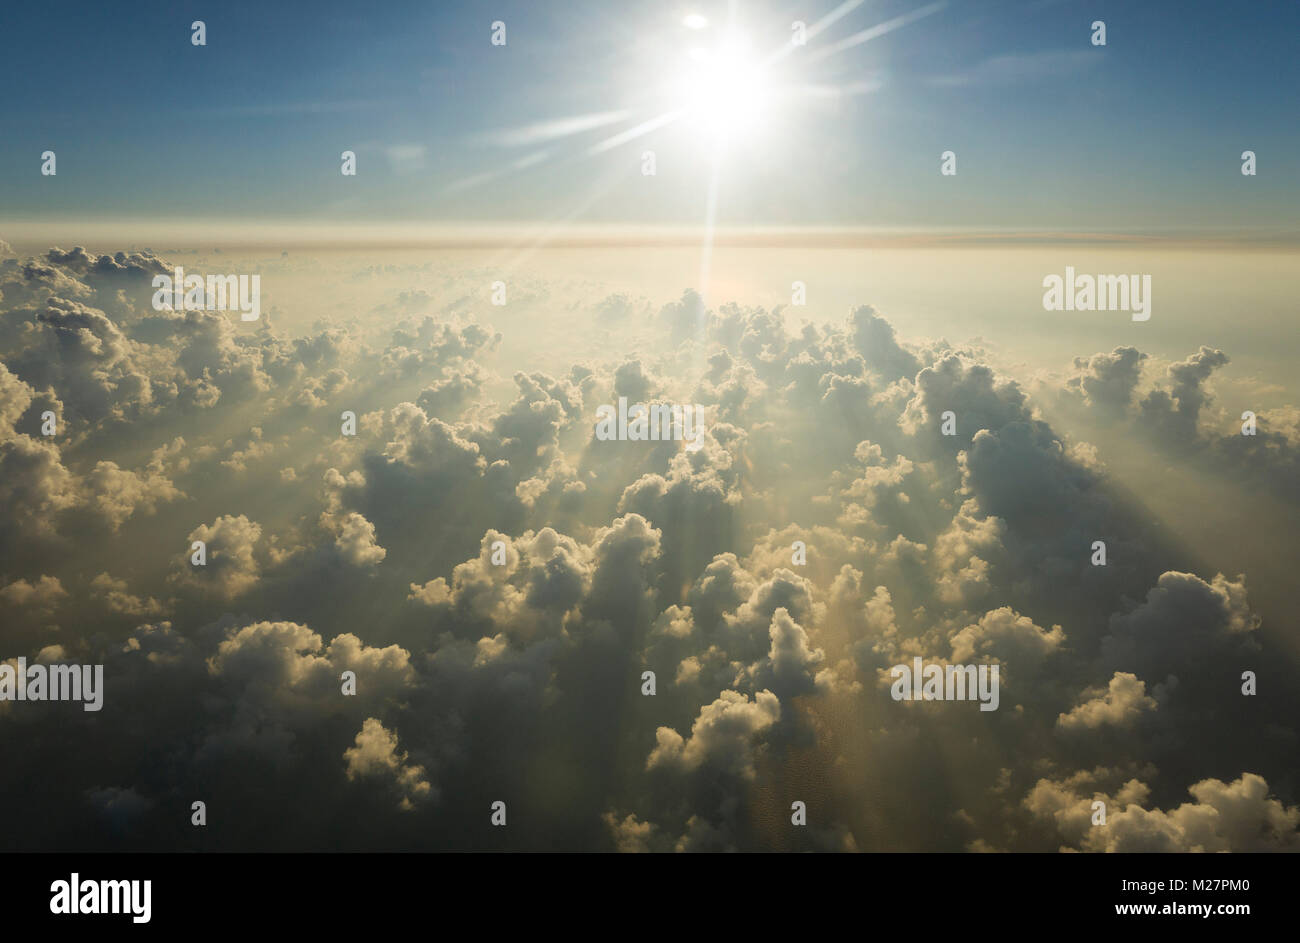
1050,132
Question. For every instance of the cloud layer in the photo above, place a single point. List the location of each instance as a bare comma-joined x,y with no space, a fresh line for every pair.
501,589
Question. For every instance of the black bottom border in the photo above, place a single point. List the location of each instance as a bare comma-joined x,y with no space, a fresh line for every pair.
369,891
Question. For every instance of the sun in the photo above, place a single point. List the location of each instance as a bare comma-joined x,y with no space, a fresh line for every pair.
722,90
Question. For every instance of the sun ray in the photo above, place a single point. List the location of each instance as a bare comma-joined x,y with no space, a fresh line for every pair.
631,134
843,10
523,163
552,130
876,32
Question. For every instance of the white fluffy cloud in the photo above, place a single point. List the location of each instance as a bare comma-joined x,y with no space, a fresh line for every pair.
1123,701
722,737
1236,816
375,754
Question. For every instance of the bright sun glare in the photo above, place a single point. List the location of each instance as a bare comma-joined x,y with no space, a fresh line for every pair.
722,89
708,81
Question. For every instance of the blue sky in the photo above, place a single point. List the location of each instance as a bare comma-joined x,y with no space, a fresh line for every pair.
1050,131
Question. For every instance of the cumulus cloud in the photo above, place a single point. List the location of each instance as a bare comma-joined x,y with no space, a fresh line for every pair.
1236,816
117,493
496,581
722,737
977,396
231,566
40,594
1174,411
375,754
281,658
355,539
1006,636
1123,701
118,599
1106,382
1183,621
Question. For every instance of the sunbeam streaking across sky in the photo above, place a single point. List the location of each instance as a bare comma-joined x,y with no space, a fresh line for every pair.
722,89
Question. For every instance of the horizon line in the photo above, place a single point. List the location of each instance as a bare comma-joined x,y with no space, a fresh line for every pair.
171,235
